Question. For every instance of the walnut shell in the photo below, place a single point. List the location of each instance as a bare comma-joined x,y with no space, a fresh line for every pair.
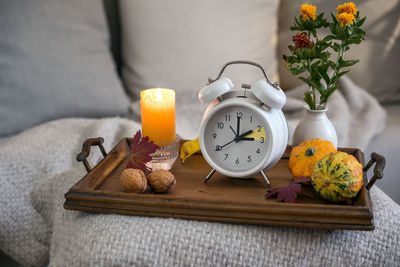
133,181
161,181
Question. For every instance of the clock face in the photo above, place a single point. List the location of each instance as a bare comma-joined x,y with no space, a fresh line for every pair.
236,138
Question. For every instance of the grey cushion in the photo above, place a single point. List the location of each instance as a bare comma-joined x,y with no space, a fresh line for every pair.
180,44
54,63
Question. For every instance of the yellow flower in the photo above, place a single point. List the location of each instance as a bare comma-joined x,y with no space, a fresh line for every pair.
308,12
349,7
345,18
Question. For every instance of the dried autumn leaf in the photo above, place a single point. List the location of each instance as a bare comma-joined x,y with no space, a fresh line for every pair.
288,193
140,149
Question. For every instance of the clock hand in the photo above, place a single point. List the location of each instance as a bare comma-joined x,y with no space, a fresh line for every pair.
233,131
219,148
237,139
246,133
242,136
247,139
237,128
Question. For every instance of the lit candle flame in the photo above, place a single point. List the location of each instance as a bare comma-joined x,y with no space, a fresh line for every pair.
158,114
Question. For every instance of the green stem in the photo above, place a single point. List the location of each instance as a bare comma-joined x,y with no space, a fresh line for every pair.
336,71
312,87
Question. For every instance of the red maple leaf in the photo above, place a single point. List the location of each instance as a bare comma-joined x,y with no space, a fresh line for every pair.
141,150
288,193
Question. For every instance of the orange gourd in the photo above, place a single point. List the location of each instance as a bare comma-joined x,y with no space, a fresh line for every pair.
304,156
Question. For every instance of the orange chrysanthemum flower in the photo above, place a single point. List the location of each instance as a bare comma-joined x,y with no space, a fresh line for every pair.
349,7
345,18
301,40
308,12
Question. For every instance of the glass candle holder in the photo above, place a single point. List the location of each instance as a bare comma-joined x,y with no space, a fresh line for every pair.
157,107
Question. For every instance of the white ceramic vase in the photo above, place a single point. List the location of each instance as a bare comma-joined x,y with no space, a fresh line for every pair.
314,124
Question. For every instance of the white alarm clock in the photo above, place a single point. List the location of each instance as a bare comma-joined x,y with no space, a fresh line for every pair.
243,131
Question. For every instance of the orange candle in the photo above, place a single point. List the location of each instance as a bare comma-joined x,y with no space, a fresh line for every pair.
157,107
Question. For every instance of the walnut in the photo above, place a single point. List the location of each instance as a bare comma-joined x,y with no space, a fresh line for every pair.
161,181
133,181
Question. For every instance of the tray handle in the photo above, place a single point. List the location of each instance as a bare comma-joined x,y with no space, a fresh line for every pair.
84,154
380,163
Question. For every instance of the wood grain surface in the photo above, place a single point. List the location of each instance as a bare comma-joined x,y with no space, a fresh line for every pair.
222,199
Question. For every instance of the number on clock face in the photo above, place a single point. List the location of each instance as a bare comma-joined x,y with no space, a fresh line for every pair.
227,139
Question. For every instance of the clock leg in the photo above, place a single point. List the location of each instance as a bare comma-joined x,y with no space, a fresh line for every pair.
265,179
209,175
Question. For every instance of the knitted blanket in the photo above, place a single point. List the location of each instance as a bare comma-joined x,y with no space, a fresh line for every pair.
35,226
84,239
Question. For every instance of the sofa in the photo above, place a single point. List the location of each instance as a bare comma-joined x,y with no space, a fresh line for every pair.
70,70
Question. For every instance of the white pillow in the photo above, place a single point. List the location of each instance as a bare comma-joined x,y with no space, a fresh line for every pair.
378,69
180,44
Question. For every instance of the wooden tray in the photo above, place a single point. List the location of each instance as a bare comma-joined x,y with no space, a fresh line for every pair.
222,199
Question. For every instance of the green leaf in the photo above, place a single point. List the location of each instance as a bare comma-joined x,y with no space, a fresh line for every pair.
334,18
292,48
292,59
352,41
328,38
314,32
334,79
340,32
328,93
324,23
349,30
304,80
303,53
359,32
313,52
336,47
342,73
296,21
297,70
306,52
318,86
347,63
324,56
308,98
321,45
331,64
321,71
361,21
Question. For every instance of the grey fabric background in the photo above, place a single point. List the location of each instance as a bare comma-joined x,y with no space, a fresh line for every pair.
88,239
26,159
55,62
